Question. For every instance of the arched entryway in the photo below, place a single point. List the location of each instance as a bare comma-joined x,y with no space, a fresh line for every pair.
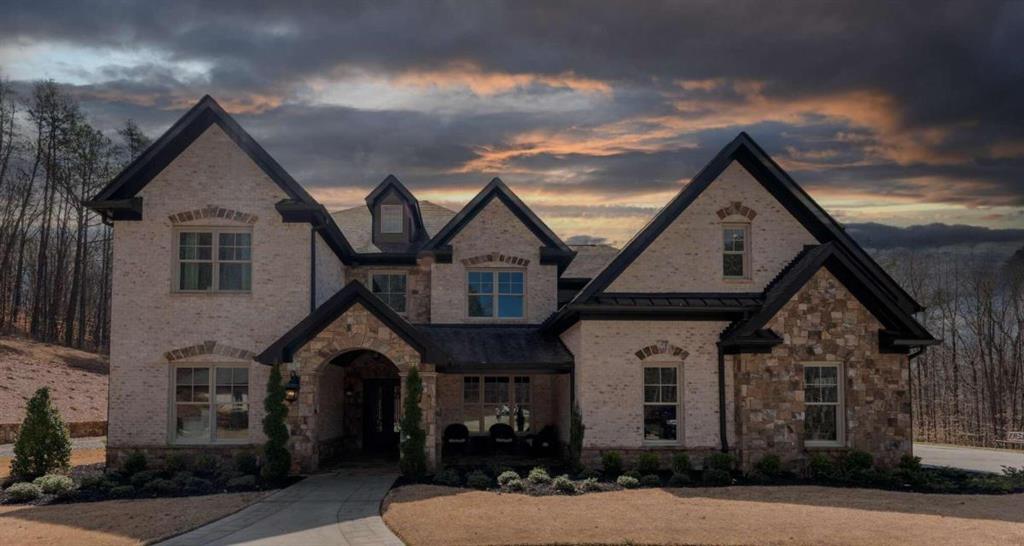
358,407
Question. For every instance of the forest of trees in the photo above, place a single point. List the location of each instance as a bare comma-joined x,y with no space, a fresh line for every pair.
54,252
55,260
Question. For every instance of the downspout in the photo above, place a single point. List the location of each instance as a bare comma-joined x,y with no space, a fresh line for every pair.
722,428
312,269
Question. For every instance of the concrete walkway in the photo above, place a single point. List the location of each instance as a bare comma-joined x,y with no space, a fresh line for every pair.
979,459
341,508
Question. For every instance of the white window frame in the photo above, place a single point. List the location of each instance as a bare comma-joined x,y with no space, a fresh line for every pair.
384,227
495,293
214,259
745,253
678,403
514,403
369,280
840,404
172,428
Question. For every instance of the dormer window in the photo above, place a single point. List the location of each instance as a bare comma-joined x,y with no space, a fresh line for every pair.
392,218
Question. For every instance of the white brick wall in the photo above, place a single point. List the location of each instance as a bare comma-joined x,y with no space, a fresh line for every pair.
330,276
148,319
494,229
687,256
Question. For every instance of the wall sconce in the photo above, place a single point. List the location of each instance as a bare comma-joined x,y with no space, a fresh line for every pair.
291,390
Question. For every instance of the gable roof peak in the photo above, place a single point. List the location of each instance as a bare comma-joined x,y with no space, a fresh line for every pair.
390,182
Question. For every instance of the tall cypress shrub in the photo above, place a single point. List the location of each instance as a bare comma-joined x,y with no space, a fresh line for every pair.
43,444
277,458
414,438
576,431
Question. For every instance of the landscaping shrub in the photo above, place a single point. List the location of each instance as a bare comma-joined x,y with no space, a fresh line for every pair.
629,482
194,486
576,431
515,485
206,465
43,443
24,492
679,479
414,439
140,479
449,477
716,476
770,466
633,474
506,477
92,481
681,463
857,462
247,463
177,462
611,463
650,480
55,484
720,461
161,488
477,479
135,462
563,484
590,484
910,463
122,491
588,473
278,460
539,476
821,467
648,463
242,483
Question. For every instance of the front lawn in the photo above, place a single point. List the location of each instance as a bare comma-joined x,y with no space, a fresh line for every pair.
745,515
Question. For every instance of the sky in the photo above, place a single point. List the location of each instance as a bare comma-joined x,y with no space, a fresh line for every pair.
595,113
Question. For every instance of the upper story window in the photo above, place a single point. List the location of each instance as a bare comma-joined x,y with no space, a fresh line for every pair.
736,255
211,404
495,294
390,288
823,398
214,260
392,218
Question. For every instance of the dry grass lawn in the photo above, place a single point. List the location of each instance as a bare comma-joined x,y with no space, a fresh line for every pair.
730,515
114,523
79,457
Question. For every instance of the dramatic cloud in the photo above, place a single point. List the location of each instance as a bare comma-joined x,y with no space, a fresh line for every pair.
595,112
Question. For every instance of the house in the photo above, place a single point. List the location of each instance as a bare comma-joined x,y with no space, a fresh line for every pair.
742,318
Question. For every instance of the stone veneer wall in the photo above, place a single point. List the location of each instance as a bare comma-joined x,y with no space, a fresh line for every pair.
356,329
417,287
687,256
824,322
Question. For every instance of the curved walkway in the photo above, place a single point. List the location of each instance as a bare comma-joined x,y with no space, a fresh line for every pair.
340,508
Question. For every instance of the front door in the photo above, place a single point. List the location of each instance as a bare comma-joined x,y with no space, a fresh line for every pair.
380,414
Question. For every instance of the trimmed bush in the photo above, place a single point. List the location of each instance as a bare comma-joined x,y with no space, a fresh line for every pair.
242,483
856,461
477,479
506,477
449,477
679,479
24,492
193,486
515,485
278,460
681,463
563,484
43,443
629,482
414,439
576,431
55,484
821,467
134,463
539,476
589,484
648,463
247,463
716,476
650,480
140,479
770,466
122,492
720,461
92,481
589,473
633,474
177,462
161,488
207,465
910,463
611,463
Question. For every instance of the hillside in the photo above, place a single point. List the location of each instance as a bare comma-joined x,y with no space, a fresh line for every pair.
77,380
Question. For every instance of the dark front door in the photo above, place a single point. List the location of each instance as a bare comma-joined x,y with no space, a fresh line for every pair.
380,414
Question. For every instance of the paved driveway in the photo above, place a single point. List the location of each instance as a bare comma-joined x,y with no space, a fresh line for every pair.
342,508
969,458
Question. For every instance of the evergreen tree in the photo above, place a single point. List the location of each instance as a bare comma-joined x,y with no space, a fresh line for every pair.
277,458
43,444
414,441
576,430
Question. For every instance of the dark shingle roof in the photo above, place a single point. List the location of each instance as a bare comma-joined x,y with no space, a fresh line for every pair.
498,348
589,260
357,224
688,299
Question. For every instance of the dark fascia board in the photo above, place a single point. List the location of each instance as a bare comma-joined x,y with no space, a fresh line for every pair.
392,183
316,215
354,292
761,342
571,313
118,209
497,189
744,150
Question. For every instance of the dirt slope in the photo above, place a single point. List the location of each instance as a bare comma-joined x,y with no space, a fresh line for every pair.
77,380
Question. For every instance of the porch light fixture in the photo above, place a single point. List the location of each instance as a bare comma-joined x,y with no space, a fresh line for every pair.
291,390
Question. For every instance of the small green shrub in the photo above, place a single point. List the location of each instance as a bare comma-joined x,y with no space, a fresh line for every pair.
716,476
770,466
648,463
134,463
611,463
563,484
681,463
720,461
821,467
242,483
633,474
122,491
177,462
43,443
589,485
206,465
449,477
679,479
515,485
182,477
92,481
629,482
55,484
910,463
247,463
477,479
650,480
24,492
161,488
856,461
539,476
1014,475
588,473
140,479
506,477
194,486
